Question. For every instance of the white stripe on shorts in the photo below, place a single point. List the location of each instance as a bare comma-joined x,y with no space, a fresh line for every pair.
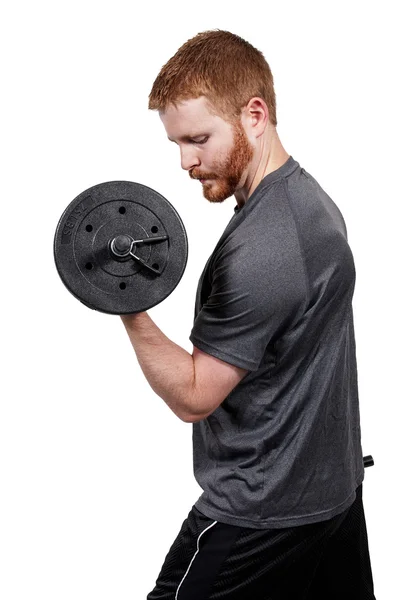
190,564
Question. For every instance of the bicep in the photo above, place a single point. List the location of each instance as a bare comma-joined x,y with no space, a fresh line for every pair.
214,379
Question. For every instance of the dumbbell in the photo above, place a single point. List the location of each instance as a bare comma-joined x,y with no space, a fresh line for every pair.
120,247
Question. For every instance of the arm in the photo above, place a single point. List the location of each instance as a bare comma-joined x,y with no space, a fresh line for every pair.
191,385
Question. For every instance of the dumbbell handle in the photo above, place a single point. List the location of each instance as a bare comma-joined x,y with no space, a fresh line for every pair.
368,461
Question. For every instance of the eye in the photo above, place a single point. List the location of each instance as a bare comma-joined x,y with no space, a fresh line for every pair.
202,141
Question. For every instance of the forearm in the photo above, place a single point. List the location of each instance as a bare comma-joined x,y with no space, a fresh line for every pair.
168,368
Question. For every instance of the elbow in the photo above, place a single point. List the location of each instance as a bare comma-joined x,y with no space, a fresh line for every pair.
193,418
190,418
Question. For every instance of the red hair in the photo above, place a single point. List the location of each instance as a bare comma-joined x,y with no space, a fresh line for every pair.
221,66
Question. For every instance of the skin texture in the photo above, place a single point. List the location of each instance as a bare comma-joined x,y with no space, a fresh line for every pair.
234,158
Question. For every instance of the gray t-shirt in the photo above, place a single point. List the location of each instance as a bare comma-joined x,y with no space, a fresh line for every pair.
275,297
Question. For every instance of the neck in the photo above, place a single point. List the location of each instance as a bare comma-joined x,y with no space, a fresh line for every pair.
271,156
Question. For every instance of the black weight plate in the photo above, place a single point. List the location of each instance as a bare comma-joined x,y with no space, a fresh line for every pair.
85,261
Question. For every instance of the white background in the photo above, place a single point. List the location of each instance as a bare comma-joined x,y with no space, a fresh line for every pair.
95,470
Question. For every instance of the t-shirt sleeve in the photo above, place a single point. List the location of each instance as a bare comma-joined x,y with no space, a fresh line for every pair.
252,297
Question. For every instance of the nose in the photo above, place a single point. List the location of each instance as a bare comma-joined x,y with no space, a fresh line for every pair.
189,158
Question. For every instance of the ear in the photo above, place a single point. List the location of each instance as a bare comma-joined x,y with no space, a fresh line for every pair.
256,117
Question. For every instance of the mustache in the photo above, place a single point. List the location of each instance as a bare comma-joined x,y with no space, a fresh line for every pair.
195,175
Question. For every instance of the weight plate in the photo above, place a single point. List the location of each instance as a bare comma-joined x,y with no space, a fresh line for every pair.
92,254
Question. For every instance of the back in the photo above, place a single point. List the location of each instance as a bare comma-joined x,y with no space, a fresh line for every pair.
275,297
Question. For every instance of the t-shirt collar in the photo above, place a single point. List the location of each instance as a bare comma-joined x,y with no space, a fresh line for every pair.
282,171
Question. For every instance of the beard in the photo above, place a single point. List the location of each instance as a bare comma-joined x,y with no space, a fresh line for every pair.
229,171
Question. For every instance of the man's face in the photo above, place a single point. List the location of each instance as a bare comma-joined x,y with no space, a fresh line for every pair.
212,150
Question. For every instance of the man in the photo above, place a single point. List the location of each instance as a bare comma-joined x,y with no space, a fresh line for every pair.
271,385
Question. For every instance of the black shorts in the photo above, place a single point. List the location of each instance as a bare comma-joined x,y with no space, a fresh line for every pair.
328,560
